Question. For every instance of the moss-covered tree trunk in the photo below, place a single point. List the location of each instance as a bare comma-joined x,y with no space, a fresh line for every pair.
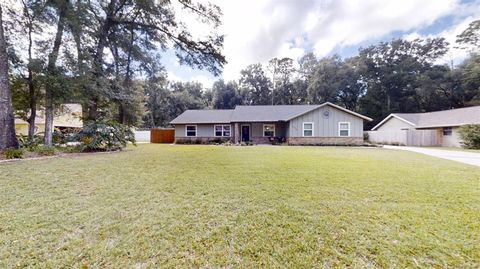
7,122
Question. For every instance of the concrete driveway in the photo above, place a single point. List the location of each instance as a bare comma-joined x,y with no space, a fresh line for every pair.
471,158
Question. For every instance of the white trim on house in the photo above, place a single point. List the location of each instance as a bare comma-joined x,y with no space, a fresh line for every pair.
263,133
223,130
389,117
339,130
191,125
303,129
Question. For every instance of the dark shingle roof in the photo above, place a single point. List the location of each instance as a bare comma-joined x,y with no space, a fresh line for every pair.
269,113
204,116
410,117
444,118
253,114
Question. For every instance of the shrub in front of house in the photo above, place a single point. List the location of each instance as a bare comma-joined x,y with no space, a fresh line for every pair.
65,137
30,145
470,135
45,151
365,136
13,153
105,136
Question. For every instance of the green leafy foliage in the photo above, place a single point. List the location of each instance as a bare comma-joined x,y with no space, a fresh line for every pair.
62,138
470,135
30,145
45,151
105,136
13,153
365,136
71,149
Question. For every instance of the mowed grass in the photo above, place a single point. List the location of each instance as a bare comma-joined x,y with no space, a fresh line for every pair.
215,206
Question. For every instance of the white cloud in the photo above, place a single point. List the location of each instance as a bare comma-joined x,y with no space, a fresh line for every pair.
173,77
258,30
456,55
465,15
351,22
206,81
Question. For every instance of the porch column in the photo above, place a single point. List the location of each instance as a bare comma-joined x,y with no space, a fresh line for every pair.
236,137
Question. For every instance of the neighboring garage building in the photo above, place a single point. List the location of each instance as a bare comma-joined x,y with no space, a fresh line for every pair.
439,128
68,116
325,124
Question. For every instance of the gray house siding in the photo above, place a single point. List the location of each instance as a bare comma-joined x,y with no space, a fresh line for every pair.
205,132
326,126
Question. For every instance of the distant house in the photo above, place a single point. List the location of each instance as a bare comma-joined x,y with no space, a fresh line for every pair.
325,124
68,116
445,123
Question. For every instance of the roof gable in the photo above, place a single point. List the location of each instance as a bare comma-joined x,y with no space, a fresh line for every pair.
411,122
337,107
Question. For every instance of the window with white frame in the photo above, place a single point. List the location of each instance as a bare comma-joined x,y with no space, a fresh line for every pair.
269,130
308,129
222,130
344,129
191,130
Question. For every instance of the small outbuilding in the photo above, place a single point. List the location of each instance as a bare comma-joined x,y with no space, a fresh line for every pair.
438,128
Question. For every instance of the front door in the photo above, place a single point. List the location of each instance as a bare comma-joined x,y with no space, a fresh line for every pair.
245,133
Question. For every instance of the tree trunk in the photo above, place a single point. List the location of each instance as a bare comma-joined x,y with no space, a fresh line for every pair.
121,114
33,107
31,88
7,121
52,61
98,58
127,83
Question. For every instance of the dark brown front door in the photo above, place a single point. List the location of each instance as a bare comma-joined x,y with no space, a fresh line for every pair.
245,133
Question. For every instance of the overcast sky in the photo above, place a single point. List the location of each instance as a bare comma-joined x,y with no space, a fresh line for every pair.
259,30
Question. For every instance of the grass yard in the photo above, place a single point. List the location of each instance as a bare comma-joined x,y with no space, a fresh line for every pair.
216,206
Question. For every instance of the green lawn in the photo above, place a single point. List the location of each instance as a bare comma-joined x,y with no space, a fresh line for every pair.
216,206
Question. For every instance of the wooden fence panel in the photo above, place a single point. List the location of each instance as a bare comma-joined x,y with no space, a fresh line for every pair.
164,135
420,138
423,138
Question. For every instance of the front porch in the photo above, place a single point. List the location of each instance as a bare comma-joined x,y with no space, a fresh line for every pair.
260,132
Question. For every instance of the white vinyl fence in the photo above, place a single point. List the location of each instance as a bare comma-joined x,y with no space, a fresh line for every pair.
424,138
142,136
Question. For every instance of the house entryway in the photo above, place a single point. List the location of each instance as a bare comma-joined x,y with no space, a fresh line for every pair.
245,133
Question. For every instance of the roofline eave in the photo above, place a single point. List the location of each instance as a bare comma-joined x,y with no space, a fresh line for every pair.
389,117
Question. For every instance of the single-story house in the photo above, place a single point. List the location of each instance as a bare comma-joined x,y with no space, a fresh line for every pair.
325,124
446,123
68,116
